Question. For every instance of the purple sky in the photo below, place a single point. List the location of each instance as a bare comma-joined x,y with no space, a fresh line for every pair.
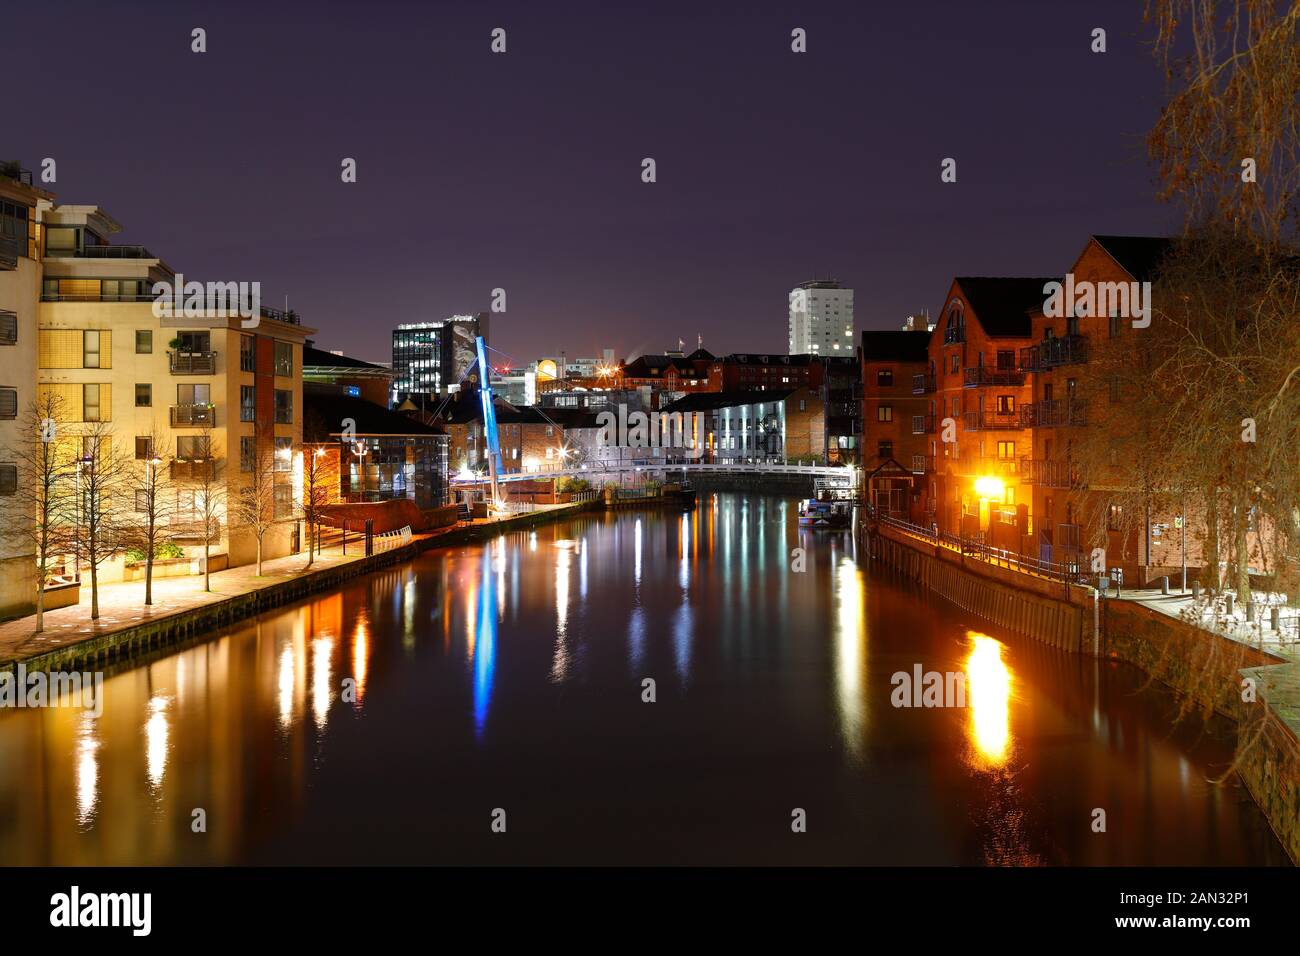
522,170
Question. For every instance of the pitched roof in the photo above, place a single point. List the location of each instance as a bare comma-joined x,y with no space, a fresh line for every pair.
325,412
318,358
1002,303
1139,256
702,401
748,358
895,346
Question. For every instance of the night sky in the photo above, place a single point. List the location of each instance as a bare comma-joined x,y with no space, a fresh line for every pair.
523,170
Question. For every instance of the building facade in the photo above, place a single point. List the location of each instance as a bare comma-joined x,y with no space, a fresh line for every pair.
821,319
432,359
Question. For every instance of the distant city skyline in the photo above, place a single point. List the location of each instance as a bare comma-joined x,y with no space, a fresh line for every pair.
522,171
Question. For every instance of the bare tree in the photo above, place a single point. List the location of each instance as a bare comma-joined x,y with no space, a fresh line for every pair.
206,468
1227,143
148,525
103,473
253,508
43,496
320,470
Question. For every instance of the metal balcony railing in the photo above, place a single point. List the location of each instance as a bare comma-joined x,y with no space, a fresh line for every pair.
982,375
954,334
992,421
101,252
11,169
922,424
193,363
287,316
190,416
923,384
193,470
1049,353
1050,474
8,327
1056,413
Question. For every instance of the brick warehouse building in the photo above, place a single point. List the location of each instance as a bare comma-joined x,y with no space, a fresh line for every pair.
976,389
897,421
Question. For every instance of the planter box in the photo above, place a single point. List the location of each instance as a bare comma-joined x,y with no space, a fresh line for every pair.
162,568
62,595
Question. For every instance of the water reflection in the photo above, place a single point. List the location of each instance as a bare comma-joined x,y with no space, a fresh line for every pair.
988,698
850,657
518,662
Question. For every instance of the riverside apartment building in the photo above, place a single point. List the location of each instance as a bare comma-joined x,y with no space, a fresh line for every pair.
180,394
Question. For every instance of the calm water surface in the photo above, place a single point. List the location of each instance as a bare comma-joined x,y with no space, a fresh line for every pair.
509,675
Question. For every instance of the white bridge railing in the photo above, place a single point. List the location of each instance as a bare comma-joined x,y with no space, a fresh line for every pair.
849,474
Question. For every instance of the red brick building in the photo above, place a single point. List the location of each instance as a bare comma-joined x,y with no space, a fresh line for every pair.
975,390
897,422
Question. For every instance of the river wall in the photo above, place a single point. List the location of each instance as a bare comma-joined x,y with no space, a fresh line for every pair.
1204,669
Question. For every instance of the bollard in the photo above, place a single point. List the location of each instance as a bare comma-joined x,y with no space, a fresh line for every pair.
1196,590
1164,584
1229,602
1250,612
1276,618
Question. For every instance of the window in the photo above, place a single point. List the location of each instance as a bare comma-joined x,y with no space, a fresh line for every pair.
884,413
1006,360
247,452
283,407
143,395
884,377
1115,518
954,363
193,342
191,447
803,404
8,327
8,403
283,359
141,500
90,410
8,479
247,356
90,349
89,448
550,431
885,449
143,341
143,447
283,501
247,403
1006,404
284,454
1116,323
1006,451
191,394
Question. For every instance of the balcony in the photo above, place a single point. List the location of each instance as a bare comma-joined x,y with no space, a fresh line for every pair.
10,249
954,334
1002,467
287,316
193,416
193,363
8,327
1056,413
194,470
983,375
1049,474
992,421
101,252
922,424
922,384
1050,353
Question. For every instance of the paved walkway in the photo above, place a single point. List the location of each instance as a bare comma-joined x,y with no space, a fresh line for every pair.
121,605
1214,618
